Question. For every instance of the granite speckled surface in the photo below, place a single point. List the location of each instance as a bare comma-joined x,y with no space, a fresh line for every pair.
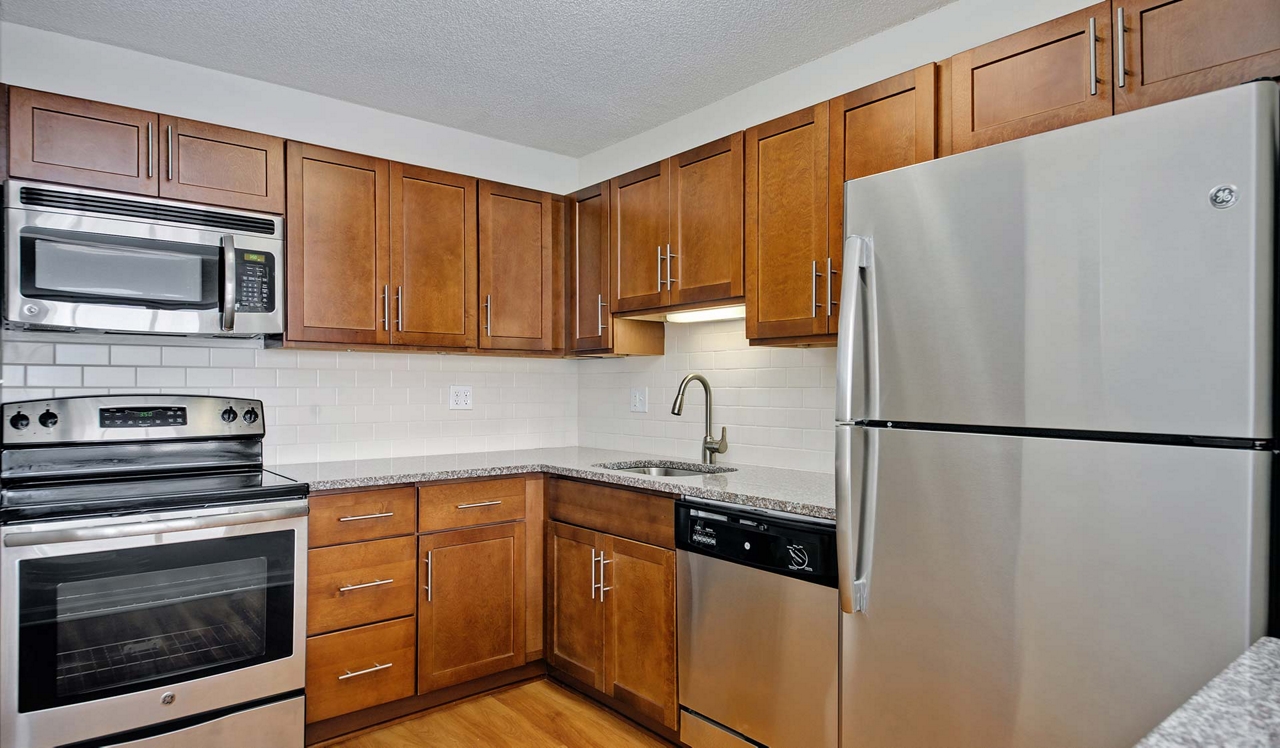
1240,708
795,491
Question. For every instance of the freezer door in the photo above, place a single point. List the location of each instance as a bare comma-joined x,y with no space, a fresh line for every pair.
1079,279
1042,593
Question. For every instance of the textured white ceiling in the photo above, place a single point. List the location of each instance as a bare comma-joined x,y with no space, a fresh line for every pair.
569,76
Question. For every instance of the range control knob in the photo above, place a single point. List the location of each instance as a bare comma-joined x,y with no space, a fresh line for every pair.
251,416
48,419
20,421
229,415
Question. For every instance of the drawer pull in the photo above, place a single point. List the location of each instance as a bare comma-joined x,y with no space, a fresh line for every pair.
377,583
376,667
479,503
379,515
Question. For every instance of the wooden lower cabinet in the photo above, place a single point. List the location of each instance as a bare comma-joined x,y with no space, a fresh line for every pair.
362,667
471,605
619,638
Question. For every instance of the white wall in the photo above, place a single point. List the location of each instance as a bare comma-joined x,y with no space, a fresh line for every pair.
327,405
45,61
935,36
778,403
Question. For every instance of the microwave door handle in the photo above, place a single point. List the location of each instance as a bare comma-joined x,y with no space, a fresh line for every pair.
228,283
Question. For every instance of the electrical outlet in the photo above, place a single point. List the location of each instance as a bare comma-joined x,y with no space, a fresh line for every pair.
460,397
639,399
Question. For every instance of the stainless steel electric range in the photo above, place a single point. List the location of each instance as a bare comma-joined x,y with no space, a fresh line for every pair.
152,576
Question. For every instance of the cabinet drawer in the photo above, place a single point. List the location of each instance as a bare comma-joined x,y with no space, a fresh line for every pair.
359,668
364,515
450,505
351,585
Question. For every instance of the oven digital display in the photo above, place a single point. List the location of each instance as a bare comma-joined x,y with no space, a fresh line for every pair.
133,418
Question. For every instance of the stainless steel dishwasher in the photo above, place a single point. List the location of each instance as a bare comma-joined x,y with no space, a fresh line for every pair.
758,628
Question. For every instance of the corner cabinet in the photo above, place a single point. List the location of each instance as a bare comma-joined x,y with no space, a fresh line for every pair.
338,247
593,330
517,283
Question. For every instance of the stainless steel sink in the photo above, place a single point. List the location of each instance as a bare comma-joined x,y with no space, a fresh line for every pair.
666,469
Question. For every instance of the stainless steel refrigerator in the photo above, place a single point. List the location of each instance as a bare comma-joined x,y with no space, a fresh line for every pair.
1055,428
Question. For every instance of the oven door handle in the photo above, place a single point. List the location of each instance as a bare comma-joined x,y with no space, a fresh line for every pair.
133,529
228,283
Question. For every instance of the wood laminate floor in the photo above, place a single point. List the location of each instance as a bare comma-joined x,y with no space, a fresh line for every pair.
535,715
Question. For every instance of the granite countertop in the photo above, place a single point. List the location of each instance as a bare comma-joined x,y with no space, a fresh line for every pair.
795,491
1240,708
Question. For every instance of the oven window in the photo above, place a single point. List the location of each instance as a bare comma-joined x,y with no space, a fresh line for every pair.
113,622
88,268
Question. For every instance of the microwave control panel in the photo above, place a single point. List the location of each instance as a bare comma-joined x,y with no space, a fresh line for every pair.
255,281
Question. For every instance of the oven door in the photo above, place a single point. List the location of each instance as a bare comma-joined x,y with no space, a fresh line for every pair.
112,624
78,271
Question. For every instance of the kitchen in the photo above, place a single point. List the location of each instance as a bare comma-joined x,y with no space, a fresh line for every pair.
323,405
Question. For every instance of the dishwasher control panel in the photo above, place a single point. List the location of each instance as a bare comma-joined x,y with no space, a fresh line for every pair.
794,547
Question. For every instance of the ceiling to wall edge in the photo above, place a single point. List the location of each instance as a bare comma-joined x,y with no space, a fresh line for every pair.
930,37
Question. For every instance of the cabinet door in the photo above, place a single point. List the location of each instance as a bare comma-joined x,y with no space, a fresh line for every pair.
338,258
575,638
705,263
639,592
85,143
589,266
516,284
471,605
433,257
786,242
1033,81
1179,48
639,237
880,127
217,165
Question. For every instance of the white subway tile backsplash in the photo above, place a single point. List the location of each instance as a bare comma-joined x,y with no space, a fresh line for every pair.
208,377
232,357
135,355
109,376
175,356
158,377
53,376
75,353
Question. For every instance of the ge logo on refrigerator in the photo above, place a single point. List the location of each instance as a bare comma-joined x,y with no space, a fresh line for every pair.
799,558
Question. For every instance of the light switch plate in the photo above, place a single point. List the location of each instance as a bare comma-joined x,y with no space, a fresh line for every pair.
460,397
639,399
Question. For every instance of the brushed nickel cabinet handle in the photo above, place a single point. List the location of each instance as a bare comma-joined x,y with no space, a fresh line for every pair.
376,667
1093,57
379,515
488,315
659,267
170,151
669,278
400,308
813,289
830,273
150,154
603,589
1122,69
593,573
427,586
479,503
386,308
601,304
366,585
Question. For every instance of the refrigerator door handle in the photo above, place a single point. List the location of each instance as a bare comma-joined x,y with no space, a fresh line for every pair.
858,255
856,446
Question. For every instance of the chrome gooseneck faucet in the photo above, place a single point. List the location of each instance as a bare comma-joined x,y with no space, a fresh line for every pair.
710,445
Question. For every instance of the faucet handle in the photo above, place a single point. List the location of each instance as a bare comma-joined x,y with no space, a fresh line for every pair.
719,447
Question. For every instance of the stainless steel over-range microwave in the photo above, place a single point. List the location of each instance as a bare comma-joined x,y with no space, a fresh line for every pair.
90,260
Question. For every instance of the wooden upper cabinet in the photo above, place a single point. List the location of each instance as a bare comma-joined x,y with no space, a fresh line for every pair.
433,257
217,165
786,224
639,593
705,260
1179,48
590,321
337,248
640,237
471,604
516,283
1048,76
575,637
86,143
